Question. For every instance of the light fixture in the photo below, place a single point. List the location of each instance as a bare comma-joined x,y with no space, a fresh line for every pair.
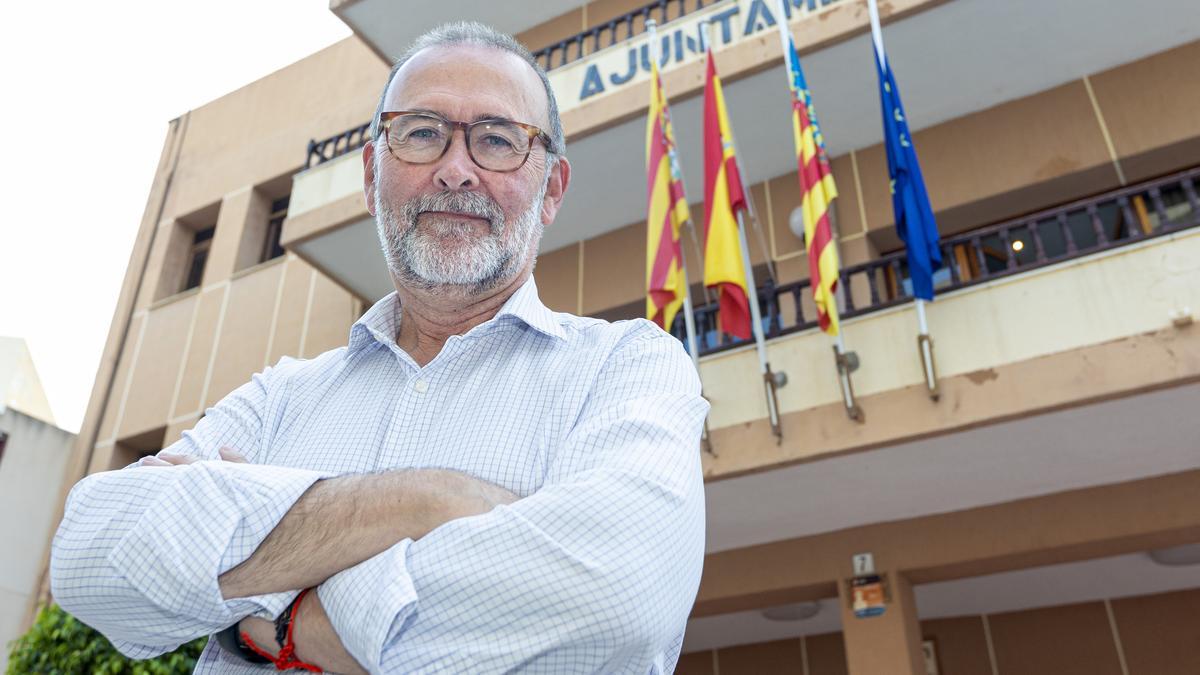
796,222
1018,245
795,612
1176,556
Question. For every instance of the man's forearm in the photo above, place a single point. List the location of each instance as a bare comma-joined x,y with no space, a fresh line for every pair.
340,522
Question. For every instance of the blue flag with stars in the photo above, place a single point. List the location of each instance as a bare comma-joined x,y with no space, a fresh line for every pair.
910,201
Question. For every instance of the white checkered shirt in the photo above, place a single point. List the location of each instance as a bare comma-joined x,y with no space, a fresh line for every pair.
594,425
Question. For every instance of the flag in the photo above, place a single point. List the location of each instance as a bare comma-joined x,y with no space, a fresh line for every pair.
910,201
817,192
667,212
724,270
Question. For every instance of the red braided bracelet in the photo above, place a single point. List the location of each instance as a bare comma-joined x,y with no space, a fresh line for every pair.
286,658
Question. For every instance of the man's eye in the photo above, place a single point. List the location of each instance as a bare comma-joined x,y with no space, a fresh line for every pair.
498,142
423,134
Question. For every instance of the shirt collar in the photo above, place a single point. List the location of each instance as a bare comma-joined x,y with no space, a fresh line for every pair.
380,322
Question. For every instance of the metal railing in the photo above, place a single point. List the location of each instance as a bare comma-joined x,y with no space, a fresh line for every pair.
1111,220
557,55
337,145
609,33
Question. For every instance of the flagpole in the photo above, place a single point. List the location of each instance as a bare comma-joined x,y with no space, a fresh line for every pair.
845,362
771,381
689,319
924,342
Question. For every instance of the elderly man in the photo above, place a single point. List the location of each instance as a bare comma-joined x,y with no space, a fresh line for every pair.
473,484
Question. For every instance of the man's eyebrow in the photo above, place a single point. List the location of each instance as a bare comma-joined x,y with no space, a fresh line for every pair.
493,116
482,116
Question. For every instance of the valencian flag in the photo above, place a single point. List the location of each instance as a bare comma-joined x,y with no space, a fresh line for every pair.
817,192
724,270
910,201
667,212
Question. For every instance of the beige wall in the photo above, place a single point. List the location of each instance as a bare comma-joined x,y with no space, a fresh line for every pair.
259,132
1157,633
184,351
20,386
188,351
33,465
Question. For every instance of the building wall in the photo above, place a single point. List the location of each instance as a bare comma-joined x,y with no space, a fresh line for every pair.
185,350
32,466
20,386
1153,635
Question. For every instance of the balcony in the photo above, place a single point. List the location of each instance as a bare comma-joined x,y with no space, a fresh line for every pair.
965,42
1067,233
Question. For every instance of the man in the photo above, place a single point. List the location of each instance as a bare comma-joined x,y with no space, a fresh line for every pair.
473,484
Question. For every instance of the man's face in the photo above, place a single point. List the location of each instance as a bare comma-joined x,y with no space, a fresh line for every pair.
450,222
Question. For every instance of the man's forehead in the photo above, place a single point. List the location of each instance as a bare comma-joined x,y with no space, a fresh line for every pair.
486,75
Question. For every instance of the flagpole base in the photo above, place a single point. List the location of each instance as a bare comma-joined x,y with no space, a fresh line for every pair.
929,366
770,383
847,362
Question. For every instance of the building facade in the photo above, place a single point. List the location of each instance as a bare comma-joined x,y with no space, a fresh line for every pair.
34,455
1039,516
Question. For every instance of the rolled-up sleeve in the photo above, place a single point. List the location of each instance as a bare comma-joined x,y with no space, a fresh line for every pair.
139,550
595,572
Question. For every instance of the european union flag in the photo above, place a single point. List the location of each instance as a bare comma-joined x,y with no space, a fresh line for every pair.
910,201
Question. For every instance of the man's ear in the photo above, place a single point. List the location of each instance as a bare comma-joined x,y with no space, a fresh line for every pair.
368,158
556,189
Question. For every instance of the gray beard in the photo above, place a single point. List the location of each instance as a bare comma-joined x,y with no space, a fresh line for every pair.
446,252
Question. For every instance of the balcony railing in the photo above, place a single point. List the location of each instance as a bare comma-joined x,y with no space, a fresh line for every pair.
1108,221
615,30
337,145
559,54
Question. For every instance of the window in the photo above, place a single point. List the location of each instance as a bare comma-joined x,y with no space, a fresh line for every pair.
201,242
271,247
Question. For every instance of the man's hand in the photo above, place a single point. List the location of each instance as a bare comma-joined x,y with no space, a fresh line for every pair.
171,459
316,641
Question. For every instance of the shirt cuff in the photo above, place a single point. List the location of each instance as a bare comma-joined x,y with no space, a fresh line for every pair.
367,602
209,521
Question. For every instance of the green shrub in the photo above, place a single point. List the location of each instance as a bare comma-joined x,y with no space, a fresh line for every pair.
60,644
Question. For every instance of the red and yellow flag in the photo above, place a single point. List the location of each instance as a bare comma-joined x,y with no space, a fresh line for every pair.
817,192
724,270
667,212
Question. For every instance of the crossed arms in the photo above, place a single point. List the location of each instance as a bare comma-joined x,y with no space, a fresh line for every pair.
596,570
336,524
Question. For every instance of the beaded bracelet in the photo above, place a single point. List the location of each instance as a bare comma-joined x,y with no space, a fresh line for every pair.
286,658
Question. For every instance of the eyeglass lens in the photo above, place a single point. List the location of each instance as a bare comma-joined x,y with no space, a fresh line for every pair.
493,145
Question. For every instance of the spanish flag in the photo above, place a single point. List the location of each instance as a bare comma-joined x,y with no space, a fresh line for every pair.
817,192
724,270
667,212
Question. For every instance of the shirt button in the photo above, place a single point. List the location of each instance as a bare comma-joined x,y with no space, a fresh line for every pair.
421,386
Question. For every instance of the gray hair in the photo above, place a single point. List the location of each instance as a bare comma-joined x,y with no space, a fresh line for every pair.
474,33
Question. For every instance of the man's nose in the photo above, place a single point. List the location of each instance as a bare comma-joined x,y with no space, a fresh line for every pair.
455,170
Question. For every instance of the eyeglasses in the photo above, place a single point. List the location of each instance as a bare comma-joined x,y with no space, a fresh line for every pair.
494,145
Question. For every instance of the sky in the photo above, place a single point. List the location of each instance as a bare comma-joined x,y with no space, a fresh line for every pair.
89,88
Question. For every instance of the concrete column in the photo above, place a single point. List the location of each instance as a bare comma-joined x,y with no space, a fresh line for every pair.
888,643
238,241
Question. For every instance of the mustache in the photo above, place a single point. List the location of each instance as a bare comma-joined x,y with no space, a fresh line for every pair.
470,203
